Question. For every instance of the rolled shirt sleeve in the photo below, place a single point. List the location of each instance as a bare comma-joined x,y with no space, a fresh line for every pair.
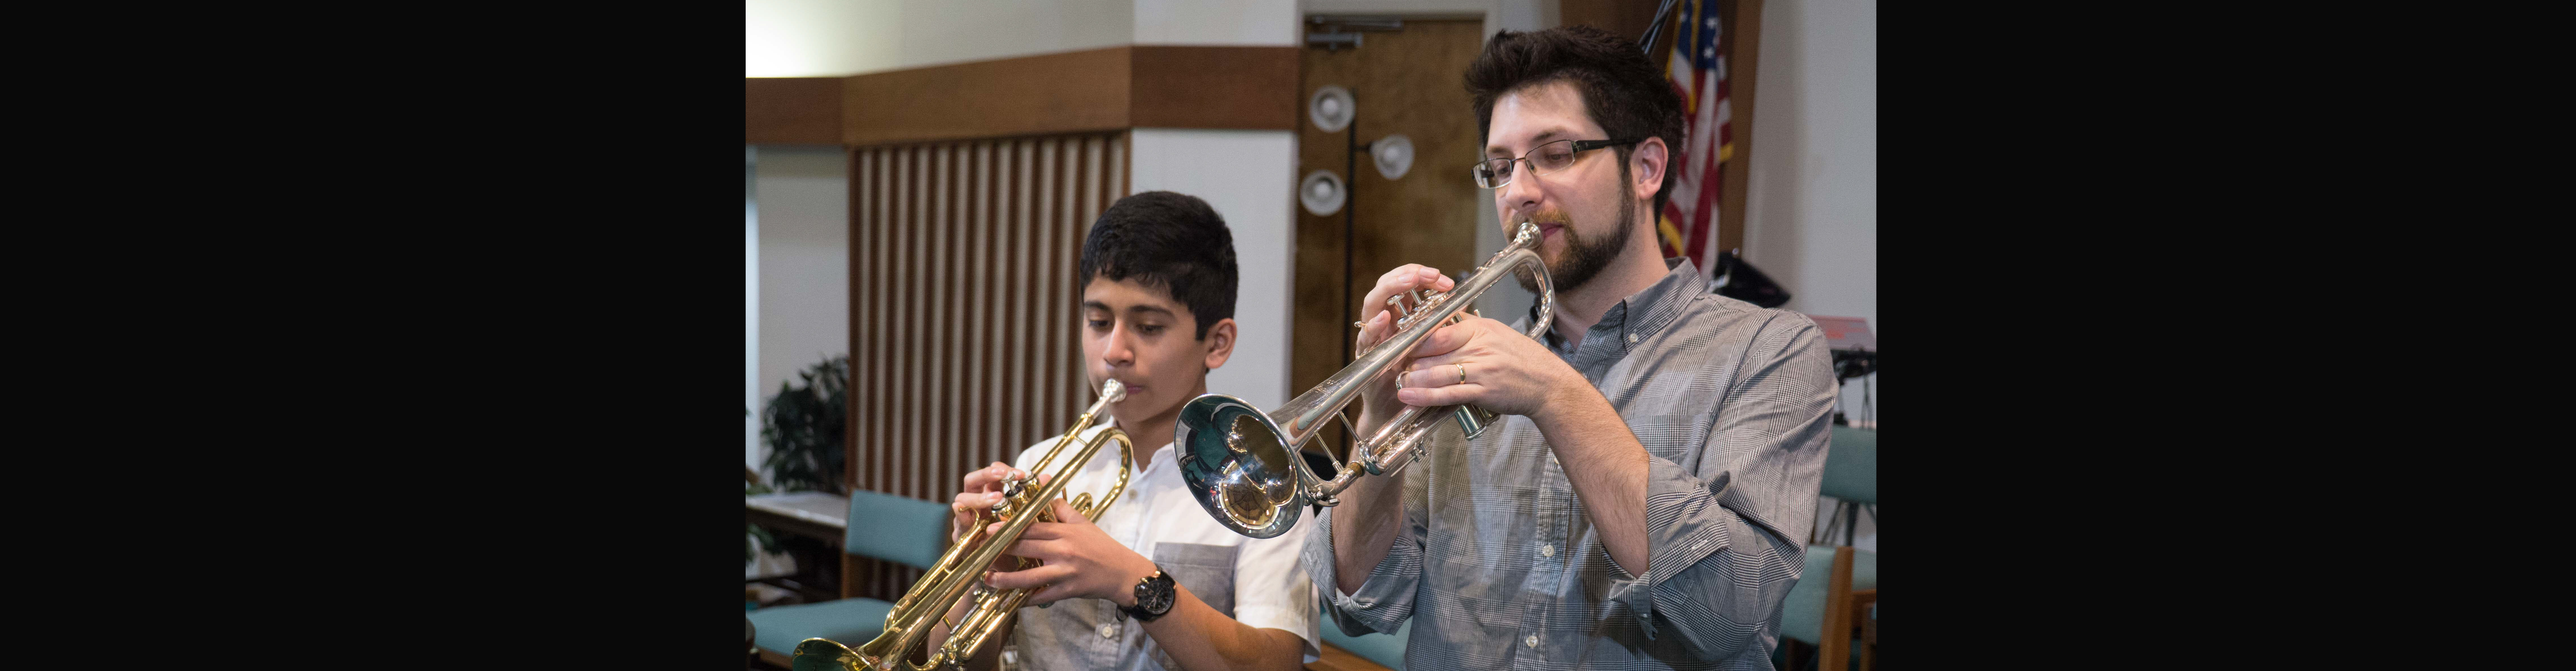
1757,486
1385,599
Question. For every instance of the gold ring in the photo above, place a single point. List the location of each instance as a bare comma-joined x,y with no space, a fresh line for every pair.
1462,372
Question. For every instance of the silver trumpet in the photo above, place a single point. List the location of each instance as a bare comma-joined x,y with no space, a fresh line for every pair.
1243,464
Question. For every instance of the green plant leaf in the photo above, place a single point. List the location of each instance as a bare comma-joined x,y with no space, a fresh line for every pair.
805,428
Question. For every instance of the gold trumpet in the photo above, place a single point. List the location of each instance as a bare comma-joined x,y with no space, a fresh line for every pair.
962,567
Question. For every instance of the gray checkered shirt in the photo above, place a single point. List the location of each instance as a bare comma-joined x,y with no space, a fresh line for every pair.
1497,565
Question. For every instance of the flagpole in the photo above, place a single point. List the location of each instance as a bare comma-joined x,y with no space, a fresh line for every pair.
1647,43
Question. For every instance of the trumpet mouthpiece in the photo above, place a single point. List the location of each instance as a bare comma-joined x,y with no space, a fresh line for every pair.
1113,390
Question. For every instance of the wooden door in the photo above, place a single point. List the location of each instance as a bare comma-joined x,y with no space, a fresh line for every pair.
1410,81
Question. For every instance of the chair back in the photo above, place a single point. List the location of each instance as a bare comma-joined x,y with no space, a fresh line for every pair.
1851,466
1803,613
895,528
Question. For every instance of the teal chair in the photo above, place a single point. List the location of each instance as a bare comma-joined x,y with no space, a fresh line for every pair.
884,526
1385,649
1803,617
1851,476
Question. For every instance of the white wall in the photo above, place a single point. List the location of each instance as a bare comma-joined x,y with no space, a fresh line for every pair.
1249,176
1209,22
1812,201
803,194
823,38
830,38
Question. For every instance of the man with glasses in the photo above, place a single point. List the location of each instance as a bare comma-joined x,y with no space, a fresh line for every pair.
1643,505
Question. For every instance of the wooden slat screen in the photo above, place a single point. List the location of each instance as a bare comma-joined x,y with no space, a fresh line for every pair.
962,310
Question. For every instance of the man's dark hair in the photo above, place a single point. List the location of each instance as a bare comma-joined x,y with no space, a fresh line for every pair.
1167,240
1626,94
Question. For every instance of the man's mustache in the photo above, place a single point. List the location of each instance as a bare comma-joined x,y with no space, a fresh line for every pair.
1543,218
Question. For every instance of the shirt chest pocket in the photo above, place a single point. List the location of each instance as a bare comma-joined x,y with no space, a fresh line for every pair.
1208,570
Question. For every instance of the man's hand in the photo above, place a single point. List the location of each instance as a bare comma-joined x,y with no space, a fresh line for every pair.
1081,561
1504,370
1379,401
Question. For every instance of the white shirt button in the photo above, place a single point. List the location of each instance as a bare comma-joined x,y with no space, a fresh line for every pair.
1547,550
1632,338
1108,631
1532,640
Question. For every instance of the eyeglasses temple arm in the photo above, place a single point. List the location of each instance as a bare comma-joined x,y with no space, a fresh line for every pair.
1588,145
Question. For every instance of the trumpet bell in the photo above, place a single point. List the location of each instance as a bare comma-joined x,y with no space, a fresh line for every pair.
815,654
1235,463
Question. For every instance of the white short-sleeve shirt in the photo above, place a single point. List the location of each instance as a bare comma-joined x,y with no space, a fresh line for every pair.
1257,581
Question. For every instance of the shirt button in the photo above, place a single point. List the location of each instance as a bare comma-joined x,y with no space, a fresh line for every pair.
1547,550
1632,338
1532,640
1108,631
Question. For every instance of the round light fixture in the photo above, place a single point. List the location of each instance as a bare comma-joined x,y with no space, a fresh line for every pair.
1393,155
1331,108
1322,193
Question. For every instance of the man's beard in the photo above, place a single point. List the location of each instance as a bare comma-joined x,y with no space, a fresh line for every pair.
1582,259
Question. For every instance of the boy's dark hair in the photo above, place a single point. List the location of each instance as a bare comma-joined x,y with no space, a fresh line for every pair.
1625,93
1166,240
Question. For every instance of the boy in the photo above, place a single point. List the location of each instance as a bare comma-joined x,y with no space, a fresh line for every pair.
1155,583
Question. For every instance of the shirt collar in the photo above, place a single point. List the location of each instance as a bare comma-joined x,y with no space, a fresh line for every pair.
1159,454
1642,314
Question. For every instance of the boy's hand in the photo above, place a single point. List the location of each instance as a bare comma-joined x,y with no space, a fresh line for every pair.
983,489
1081,561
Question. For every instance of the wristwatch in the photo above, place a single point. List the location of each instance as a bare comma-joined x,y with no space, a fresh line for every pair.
1153,597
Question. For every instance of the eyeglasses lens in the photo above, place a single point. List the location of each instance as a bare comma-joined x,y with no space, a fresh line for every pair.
1553,156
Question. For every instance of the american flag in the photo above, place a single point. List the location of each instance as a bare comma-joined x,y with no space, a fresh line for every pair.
1697,69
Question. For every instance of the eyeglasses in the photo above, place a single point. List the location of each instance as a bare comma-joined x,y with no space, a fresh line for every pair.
1546,158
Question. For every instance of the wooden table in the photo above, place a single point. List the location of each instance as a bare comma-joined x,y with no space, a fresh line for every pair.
816,515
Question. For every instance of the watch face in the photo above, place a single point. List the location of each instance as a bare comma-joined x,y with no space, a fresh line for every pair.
1154,595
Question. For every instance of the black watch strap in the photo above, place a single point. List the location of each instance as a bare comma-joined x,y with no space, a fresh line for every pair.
1154,597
